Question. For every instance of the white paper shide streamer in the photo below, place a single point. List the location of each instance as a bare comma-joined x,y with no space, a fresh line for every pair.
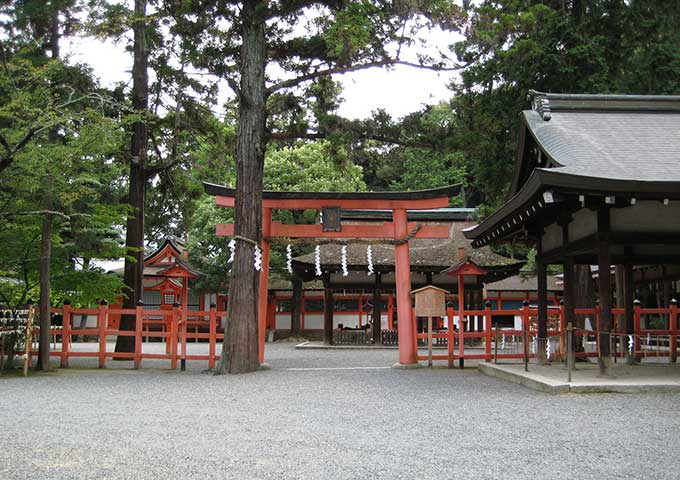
369,259
343,260
317,260
631,344
232,248
502,342
548,350
257,258
533,346
289,258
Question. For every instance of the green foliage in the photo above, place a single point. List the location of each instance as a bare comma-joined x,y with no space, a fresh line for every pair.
59,151
571,47
316,166
310,167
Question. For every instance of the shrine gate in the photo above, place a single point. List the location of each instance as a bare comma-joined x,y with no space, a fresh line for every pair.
399,231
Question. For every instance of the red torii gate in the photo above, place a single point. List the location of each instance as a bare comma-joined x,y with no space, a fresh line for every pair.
332,202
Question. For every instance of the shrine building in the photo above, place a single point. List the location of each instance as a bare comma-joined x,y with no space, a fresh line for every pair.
596,182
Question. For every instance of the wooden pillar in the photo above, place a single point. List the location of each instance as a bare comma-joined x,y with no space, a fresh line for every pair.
568,296
604,290
628,306
377,310
264,283
361,310
542,278
461,319
327,310
402,264
390,312
296,306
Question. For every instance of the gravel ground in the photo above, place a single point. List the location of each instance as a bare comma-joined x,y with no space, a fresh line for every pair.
310,417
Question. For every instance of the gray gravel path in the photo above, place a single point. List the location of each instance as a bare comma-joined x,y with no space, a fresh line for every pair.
291,422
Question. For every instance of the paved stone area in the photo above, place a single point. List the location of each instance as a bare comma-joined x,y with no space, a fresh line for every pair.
656,376
313,417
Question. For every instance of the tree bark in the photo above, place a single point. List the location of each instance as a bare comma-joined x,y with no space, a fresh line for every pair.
296,307
133,273
239,350
584,293
46,239
45,264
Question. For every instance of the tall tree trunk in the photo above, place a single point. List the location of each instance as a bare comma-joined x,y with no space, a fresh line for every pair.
133,272
239,350
45,263
584,293
296,307
46,239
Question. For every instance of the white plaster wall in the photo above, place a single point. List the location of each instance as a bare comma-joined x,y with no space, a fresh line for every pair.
552,238
584,223
283,321
313,322
647,216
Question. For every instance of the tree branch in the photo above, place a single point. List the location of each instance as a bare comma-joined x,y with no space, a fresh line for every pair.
354,68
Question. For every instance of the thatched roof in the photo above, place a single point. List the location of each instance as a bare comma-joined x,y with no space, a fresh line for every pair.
431,255
522,283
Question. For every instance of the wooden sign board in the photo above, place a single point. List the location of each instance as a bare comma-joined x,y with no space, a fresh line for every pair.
430,301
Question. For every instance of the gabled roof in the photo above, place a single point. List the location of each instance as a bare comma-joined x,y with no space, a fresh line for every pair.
169,245
590,144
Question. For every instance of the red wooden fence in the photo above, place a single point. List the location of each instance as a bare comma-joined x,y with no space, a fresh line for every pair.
178,326
665,340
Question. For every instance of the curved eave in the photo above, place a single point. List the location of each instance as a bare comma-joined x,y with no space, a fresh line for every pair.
448,191
528,202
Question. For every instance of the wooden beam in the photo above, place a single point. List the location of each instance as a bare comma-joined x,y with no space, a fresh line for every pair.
347,204
379,230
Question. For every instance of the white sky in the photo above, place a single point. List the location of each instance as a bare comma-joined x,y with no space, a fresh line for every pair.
399,91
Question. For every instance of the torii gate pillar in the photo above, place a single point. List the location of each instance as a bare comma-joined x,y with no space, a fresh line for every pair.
406,326
264,283
397,230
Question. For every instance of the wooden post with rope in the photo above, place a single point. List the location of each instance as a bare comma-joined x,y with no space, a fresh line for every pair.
29,338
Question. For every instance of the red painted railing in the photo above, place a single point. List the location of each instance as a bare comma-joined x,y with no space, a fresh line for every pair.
176,326
510,343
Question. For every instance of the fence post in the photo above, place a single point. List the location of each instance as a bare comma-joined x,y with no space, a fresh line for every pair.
102,324
461,339
139,319
673,327
65,333
213,336
174,324
636,329
487,331
495,344
525,334
185,328
449,335
570,345
29,336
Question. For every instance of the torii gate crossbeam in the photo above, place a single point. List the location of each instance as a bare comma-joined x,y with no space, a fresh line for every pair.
398,229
